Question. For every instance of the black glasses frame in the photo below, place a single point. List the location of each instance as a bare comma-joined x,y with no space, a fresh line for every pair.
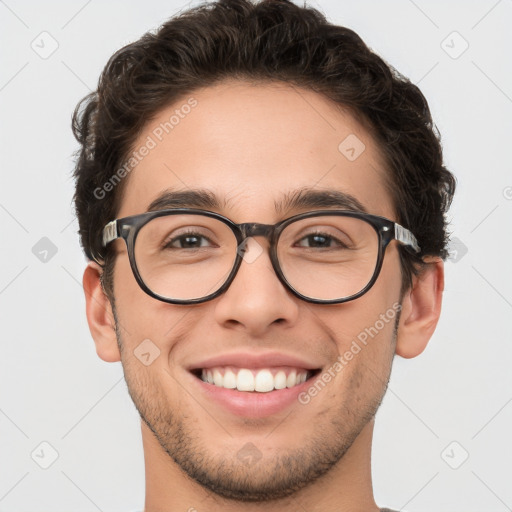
387,230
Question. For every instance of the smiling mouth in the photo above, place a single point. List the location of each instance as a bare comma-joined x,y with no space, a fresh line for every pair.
256,380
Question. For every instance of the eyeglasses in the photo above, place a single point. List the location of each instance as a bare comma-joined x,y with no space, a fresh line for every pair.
189,256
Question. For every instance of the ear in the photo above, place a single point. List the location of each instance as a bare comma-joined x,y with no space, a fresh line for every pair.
421,307
99,315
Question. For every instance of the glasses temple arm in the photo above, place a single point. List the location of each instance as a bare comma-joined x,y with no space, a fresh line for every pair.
110,232
404,236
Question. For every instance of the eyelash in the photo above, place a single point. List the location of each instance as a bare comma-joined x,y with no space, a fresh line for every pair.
181,236
324,235
167,243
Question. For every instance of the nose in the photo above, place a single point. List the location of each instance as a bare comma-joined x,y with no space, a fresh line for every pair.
256,300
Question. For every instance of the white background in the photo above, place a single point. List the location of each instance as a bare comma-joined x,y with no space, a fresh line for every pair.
54,388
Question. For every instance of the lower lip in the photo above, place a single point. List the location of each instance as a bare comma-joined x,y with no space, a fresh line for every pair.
252,404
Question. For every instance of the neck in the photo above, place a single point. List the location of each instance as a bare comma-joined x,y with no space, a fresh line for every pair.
347,486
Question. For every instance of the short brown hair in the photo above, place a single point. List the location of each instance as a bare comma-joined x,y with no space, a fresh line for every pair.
273,40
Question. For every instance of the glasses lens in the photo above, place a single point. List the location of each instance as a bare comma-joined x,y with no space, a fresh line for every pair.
185,256
328,257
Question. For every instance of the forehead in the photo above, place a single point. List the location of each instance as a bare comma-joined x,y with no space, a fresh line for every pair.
251,146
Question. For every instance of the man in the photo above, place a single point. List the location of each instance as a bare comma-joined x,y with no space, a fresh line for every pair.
263,200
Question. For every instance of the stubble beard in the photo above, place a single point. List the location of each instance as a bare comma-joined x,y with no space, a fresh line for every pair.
229,476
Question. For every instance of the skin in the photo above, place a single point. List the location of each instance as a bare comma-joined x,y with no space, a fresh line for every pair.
251,144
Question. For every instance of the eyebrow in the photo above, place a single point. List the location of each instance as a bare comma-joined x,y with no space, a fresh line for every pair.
299,199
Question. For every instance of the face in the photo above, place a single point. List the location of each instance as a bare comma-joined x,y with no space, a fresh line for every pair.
251,146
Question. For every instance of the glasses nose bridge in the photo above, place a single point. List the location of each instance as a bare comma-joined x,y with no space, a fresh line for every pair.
250,229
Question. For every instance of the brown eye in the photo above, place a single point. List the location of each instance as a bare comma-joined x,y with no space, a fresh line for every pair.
319,240
188,241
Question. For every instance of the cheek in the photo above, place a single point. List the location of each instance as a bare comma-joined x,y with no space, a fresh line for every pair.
141,317
153,329
133,305
363,329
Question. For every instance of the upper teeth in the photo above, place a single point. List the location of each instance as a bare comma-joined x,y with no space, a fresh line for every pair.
253,380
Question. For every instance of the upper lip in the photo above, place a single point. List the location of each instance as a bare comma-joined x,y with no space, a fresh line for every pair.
250,360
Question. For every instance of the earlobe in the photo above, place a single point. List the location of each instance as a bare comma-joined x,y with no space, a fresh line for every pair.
421,308
99,315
